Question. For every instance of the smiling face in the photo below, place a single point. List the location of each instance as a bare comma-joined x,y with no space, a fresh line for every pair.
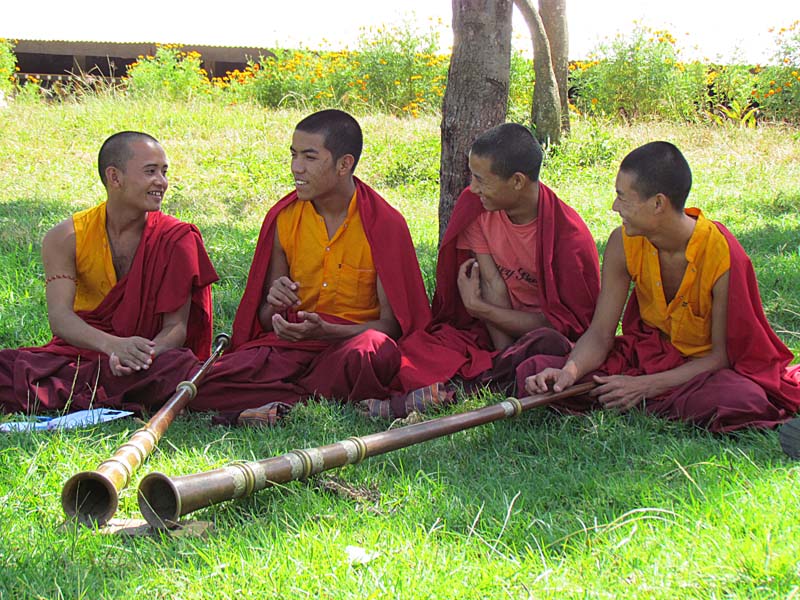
495,192
142,182
316,174
636,211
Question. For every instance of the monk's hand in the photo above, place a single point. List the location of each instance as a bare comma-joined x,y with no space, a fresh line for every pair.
282,294
131,354
549,379
116,366
310,326
469,284
621,392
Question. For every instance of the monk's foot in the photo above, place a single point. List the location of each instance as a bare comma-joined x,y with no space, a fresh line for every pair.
425,399
374,409
268,415
789,437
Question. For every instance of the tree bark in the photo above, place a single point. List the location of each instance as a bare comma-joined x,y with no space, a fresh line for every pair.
546,108
476,97
554,19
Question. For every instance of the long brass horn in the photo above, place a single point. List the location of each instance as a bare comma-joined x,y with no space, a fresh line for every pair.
93,496
164,500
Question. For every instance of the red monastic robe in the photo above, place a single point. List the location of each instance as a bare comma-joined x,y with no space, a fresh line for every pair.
170,265
758,390
454,343
263,368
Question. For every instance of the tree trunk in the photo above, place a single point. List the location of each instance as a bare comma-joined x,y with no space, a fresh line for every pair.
476,97
554,19
546,109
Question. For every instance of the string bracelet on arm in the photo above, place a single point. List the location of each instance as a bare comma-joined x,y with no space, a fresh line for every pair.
61,276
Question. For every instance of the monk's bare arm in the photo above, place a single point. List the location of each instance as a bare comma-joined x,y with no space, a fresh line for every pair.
58,257
281,292
493,307
173,329
593,346
387,322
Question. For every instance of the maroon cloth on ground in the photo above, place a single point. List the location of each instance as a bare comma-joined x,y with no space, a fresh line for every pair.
353,369
170,264
725,400
569,283
500,378
36,382
503,374
264,368
720,401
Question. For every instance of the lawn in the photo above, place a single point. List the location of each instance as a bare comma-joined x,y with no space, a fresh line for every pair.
603,505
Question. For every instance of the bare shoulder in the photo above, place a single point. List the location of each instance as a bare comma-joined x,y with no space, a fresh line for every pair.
616,236
58,244
61,233
615,250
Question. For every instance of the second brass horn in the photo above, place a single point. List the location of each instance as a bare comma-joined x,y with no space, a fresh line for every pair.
164,500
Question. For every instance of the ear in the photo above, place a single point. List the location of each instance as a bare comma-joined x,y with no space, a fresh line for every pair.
519,180
113,176
345,164
662,203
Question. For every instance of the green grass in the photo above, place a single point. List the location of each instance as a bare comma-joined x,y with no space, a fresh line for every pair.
599,506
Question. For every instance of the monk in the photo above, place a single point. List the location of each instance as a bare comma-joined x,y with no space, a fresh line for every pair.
333,284
517,275
695,344
128,297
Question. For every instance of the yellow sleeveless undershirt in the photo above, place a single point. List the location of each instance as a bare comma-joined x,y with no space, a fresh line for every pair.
686,320
93,262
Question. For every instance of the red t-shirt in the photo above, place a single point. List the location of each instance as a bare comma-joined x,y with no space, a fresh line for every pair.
514,250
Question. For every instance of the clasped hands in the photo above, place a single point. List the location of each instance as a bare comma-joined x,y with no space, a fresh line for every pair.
621,392
131,354
281,297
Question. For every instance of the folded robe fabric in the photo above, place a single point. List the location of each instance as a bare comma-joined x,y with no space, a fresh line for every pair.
454,343
754,350
395,262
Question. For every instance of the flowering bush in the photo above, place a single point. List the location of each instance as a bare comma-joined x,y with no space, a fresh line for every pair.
778,88
394,70
640,75
729,84
171,73
8,66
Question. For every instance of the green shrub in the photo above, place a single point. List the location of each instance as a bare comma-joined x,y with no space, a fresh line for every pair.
520,88
8,66
778,86
638,76
170,74
401,70
394,70
730,84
